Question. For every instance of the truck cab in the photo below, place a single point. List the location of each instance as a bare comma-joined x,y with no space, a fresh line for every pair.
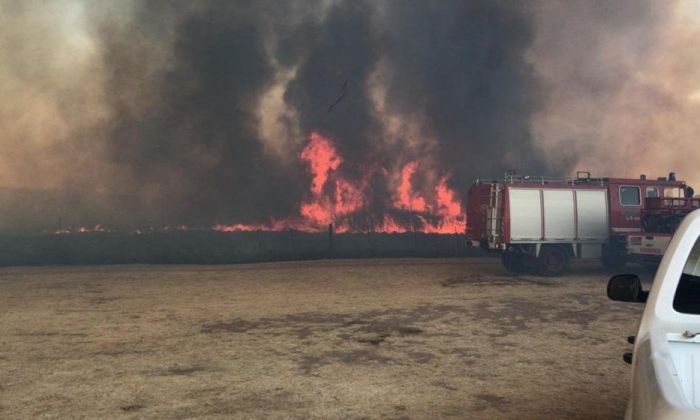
628,199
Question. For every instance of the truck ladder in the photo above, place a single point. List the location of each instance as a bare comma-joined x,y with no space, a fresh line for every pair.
493,216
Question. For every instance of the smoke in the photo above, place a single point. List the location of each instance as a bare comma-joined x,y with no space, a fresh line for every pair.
618,85
51,87
161,112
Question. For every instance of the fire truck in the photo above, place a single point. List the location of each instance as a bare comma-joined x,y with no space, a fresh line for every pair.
540,224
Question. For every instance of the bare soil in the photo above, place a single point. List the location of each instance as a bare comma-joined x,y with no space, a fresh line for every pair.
401,338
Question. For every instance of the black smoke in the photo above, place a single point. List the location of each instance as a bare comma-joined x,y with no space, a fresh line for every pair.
182,83
460,65
197,144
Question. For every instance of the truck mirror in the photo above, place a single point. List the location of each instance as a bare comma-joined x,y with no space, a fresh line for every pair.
626,288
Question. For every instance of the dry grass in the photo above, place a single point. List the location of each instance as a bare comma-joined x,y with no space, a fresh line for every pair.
405,338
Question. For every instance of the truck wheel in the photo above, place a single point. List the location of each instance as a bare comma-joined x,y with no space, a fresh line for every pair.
612,259
553,260
513,262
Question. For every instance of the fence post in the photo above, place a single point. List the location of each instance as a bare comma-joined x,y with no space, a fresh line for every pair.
330,239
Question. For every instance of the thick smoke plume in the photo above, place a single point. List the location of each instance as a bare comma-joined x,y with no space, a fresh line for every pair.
155,113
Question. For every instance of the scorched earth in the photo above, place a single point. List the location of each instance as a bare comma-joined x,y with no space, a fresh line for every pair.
404,338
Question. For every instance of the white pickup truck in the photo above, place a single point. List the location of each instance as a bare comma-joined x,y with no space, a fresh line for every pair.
666,357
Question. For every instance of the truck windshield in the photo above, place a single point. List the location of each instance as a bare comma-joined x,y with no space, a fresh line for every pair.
687,298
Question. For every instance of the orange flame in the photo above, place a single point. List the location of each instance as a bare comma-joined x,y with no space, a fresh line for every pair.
81,229
335,199
448,205
322,159
406,198
346,198
332,198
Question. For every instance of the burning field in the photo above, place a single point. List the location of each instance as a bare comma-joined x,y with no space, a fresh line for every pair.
417,200
419,215
404,338
348,206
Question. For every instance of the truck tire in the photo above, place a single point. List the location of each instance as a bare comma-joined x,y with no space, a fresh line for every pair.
513,262
613,258
553,260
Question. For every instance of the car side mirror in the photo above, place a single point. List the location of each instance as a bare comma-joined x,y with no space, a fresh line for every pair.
626,288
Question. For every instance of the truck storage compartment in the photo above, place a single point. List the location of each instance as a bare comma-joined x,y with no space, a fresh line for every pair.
557,215
592,215
525,214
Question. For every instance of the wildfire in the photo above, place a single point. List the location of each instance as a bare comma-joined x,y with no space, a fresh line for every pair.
335,199
408,199
81,229
322,159
324,206
345,203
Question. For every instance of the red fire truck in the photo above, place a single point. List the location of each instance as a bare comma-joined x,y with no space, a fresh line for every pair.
540,224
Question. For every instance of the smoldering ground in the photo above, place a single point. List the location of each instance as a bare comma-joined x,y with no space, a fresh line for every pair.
195,112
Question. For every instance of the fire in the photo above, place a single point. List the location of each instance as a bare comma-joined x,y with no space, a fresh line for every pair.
448,205
322,159
345,203
321,209
81,229
408,199
337,200
389,225
270,227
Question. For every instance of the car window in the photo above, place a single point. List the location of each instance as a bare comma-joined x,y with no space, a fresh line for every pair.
652,192
629,196
687,297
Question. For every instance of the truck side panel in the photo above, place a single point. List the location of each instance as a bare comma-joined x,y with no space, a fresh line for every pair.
525,214
592,211
556,215
559,215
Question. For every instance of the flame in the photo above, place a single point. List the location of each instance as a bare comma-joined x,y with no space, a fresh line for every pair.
81,229
334,199
322,159
448,205
239,227
389,225
406,198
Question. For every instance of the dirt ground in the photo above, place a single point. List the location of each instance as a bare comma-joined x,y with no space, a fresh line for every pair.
401,338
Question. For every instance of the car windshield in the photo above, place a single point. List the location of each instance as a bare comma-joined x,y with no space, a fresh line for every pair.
687,297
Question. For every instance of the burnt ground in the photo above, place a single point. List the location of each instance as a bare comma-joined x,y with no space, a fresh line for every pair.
403,338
